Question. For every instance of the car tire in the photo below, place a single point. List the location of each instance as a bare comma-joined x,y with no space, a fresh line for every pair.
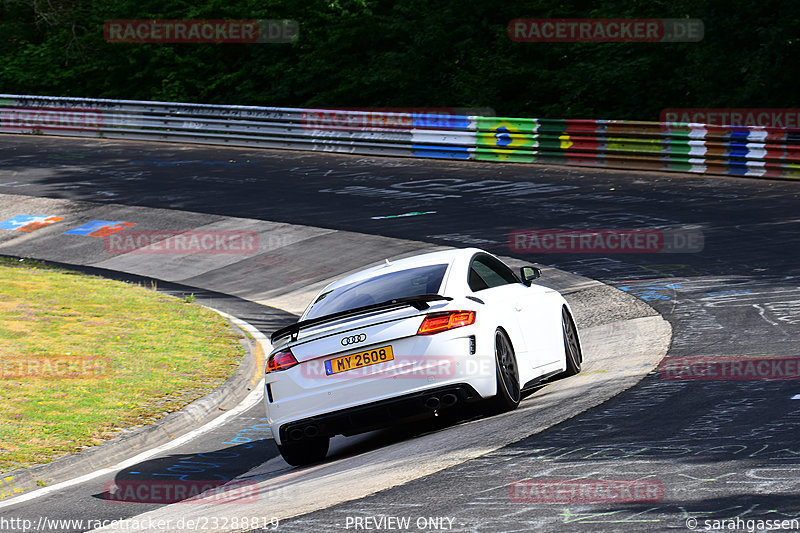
572,345
304,452
508,389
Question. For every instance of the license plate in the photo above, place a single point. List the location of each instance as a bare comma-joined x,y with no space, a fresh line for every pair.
358,360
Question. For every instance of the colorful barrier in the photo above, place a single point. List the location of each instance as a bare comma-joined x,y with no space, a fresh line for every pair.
658,146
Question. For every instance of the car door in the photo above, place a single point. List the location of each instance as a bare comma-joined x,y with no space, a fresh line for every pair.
497,284
498,287
540,317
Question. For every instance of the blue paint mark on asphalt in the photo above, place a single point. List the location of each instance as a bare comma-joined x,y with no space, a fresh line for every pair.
730,292
100,228
212,465
245,436
20,222
652,291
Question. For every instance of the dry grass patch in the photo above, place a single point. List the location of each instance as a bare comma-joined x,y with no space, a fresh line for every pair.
82,357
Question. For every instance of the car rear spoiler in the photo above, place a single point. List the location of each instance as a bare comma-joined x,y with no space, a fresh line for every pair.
419,302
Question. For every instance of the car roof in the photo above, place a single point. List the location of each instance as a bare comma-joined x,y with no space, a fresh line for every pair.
432,258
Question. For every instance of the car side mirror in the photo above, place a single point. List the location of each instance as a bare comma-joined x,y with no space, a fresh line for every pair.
528,274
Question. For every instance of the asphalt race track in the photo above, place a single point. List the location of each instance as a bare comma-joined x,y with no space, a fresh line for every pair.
716,449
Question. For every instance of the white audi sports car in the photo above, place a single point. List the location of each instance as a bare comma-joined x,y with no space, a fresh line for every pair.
409,338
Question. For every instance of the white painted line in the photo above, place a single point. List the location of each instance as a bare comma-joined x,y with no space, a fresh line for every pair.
796,397
411,214
255,396
762,314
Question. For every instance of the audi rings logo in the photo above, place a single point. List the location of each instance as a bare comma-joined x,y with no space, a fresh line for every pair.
353,339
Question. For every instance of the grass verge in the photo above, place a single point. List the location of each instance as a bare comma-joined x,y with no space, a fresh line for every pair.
82,358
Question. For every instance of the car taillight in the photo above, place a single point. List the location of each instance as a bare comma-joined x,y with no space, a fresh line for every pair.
438,322
282,360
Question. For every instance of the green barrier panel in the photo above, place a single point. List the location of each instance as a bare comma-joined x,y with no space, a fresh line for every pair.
670,146
549,143
553,159
505,156
505,135
634,145
679,166
510,125
506,141
552,126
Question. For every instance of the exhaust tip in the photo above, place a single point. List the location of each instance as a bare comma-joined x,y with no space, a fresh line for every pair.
432,403
449,399
311,431
296,434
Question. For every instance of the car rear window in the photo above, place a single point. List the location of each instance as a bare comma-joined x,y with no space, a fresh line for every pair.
400,284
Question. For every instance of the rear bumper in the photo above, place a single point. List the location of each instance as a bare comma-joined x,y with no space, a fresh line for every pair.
421,364
379,414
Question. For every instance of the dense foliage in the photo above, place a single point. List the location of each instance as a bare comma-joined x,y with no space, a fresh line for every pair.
413,53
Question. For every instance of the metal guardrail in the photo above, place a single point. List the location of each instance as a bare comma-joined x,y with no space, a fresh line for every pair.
680,147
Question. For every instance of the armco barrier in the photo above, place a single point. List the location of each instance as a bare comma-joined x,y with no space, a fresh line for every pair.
680,147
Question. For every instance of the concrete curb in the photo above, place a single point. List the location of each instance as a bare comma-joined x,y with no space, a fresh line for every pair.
129,444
